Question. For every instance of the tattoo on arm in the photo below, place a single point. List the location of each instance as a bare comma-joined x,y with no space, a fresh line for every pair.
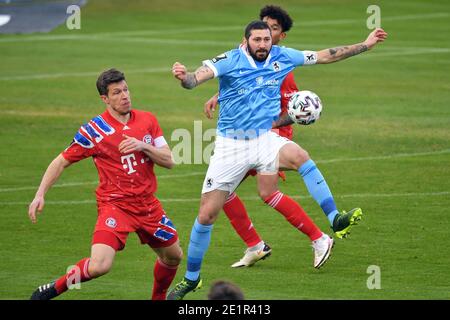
190,81
202,72
284,120
341,53
200,75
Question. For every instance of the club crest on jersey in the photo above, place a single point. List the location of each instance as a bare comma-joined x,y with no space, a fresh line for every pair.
276,66
111,222
147,139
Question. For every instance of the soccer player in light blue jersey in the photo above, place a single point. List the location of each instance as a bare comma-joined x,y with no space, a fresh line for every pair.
280,23
249,94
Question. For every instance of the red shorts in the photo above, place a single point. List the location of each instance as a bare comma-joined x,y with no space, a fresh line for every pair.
115,221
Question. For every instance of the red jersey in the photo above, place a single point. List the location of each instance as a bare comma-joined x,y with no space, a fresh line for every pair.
123,177
288,88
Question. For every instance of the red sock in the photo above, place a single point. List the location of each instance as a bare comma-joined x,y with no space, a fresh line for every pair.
293,213
163,275
79,273
236,213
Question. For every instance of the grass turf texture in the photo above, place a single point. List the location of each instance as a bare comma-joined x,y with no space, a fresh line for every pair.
388,110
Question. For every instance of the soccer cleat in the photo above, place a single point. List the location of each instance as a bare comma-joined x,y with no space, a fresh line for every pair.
251,257
183,288
344,221
322,250
45,292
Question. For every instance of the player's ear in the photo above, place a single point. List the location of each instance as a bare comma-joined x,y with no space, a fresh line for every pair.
104,98
244,41
282,35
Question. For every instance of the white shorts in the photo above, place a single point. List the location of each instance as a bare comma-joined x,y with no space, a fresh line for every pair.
232,159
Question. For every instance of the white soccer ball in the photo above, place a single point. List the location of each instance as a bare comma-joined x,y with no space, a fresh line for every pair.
304,107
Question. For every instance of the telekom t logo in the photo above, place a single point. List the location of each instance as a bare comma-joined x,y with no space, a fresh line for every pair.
128,162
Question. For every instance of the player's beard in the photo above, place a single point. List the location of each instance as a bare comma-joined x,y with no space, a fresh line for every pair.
260,54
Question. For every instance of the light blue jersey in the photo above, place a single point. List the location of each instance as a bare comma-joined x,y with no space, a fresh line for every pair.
249,91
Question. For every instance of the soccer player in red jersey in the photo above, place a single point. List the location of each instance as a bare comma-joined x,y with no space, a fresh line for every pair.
124,144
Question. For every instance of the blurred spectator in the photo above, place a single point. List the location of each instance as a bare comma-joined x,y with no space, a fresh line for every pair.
225,290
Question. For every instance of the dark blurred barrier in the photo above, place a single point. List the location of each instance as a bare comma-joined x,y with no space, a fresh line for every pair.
28,16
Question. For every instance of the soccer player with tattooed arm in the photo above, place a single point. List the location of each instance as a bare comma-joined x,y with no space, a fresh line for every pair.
249,94
280,23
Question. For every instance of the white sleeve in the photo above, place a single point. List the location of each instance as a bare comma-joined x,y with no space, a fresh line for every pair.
209,64
310,57
160,142
301,58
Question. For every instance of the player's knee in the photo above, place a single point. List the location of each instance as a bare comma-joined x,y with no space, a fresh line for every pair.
206,218
293,156
176,257
173,258
299,157
99,267
265,194
207,215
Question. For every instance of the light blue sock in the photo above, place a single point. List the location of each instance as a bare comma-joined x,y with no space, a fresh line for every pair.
198,244
318,188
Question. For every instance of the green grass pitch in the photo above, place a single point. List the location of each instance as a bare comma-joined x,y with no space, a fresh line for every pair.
383,143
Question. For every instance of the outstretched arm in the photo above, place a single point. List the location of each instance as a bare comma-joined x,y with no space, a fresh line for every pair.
190,80
341,53
52,174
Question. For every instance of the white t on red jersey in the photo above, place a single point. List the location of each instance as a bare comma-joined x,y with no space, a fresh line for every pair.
123,177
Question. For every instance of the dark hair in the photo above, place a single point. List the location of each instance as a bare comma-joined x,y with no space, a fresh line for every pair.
279,14
255,25
106,78
224,290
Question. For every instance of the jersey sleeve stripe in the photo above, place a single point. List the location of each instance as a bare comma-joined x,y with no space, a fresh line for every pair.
210,65
103,125
83,141
93,134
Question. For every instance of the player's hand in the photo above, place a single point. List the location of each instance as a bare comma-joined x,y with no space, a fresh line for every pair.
376,36
210,106
179,71
35,208
130,144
